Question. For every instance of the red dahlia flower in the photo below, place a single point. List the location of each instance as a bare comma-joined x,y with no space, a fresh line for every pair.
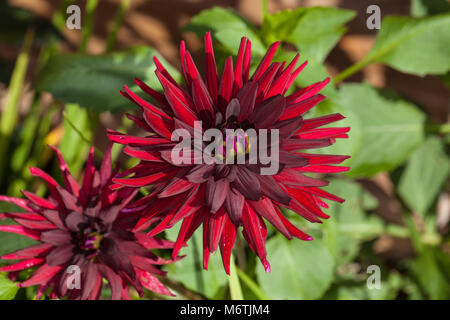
84,227
224,197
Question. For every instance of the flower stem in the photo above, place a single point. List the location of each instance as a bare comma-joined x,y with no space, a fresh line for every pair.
251,285
351,70
438,128
59,17
124,5
233,280
88,25
265,13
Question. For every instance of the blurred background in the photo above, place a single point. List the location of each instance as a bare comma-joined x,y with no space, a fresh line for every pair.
60,87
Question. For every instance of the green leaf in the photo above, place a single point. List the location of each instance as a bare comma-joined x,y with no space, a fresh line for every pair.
413,45
79,119
422,8
227,27
8,289
189,270
352,288
318,31
314,31
278,26
348,224
426,171
94,81
300,269
390,128
234,284
430,276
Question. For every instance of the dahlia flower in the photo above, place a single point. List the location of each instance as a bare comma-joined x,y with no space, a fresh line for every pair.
222,196
86,227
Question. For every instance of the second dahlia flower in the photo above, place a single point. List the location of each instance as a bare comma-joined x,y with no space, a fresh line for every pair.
83,228
226,196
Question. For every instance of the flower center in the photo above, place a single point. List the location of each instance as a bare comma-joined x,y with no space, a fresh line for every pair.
90,240
236,142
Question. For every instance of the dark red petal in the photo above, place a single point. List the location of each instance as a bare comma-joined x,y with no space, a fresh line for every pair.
271,189
322,193
200,173
153,93
25,264
288,127
293,177
255,233
164,72
293,229
320,121
323,133
247,183
294,75
247,60
323,158
238,69
247,98
265,62
227,243
114,281
226,85
307,92
268,112
23,203
279,85
212,77
20,230
265,208
31,252
136,141
301,107
216,192
302,144
152,156
41,202
70,183
265,82
56,237
60,255
234,204
291,160
324,169
36,225
203,101
73,220
189,225
41,275
151,283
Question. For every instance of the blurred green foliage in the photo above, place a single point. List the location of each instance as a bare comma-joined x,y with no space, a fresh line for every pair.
388,134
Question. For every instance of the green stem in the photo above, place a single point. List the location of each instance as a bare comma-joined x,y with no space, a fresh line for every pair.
59,17
10,114
251,285
89,24
110,42
265,13
438,128
233,280
351,70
